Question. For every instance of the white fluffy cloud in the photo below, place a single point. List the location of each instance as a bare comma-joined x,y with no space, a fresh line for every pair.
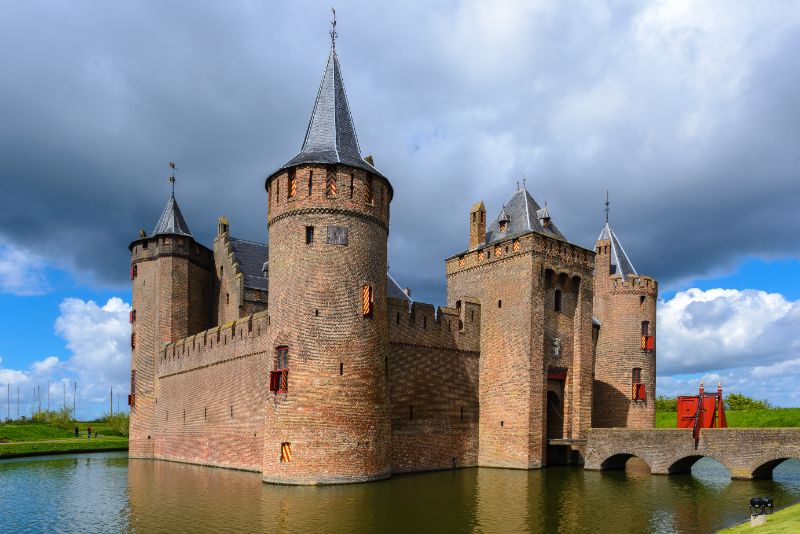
747,339
21,271
98,339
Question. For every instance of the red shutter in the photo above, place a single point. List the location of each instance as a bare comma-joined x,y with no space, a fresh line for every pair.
641,394
132,272
651,343
274,380
131,400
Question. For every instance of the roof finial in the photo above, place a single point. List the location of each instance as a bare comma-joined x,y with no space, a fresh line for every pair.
172,168
524,183
606,206
333,29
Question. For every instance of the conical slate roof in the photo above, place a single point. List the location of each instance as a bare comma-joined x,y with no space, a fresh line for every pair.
620,264
522,214
171,221
331,136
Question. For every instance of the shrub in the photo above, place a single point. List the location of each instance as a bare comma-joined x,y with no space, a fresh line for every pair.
58,418
666,404
118,422
739,402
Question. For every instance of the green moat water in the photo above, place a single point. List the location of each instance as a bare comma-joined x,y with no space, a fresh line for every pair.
105,492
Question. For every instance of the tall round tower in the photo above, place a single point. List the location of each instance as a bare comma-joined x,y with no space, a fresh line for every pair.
327,419
625,357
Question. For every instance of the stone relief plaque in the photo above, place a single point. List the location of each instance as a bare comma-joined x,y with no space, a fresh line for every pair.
337,235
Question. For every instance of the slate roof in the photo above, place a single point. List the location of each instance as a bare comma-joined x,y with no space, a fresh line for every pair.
251,257
620,263
521,212
331,136
393,290
171,221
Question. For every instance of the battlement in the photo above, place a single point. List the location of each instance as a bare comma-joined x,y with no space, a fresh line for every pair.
222,343
557,250
151,248
443,327
640,285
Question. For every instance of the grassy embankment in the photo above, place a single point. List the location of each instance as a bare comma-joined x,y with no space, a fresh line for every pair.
768,418
33,439
786,520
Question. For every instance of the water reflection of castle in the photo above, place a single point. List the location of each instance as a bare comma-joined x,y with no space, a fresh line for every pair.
304,361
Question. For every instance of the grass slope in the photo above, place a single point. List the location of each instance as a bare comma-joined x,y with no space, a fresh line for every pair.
31,439
771,418
786,520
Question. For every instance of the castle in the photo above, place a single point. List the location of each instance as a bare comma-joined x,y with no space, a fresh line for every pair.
304,361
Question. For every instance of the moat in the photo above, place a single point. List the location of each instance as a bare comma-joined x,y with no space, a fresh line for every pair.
109,493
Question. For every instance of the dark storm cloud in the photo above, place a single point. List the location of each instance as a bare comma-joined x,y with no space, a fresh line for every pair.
689,116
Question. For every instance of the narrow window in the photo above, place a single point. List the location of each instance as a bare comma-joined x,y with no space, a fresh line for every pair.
386,365
310,181
286,452
309,235
471,316
330,184
132,316
227,298
133,340
641,301
502,423
411,413
133,381
231,410
134,271
205,412
461,261
398,317
636,375
341,368
351,186
316,313
483,216
645,328
368,198
557,300
462,413
499,303
279,378
424,321
637,388
367,301
292,188
144,245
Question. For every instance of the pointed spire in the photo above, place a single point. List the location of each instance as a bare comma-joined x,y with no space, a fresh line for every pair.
171,221
331,135
606,206
620,263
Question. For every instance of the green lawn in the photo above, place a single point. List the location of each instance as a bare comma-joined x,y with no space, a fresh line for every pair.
30,439
786,520
771,418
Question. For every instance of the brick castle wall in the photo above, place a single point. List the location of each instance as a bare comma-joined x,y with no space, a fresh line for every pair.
211,392
433,385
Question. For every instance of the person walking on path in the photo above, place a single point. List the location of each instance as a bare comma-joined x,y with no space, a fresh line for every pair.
76,431
88,432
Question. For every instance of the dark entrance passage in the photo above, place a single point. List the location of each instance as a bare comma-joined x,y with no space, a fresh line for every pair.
555,409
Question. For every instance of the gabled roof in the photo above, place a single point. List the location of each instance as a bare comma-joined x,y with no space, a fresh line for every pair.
331,136
251,257
171,221
521,212
620,264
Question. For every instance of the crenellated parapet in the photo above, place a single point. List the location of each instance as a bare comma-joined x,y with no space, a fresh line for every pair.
230,341
639,285
552,251
152,248
423,325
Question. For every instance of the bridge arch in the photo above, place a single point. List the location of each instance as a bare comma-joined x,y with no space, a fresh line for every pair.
683,464
617,461
765,469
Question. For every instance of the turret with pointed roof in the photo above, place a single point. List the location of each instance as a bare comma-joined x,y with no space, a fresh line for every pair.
171,221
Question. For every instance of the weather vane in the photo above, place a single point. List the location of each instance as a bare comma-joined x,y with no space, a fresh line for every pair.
606,205
172,168
333,29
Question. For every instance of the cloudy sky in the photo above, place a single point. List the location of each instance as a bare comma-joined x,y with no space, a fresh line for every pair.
687,112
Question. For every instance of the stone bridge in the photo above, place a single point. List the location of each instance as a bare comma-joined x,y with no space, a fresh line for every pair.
746,452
